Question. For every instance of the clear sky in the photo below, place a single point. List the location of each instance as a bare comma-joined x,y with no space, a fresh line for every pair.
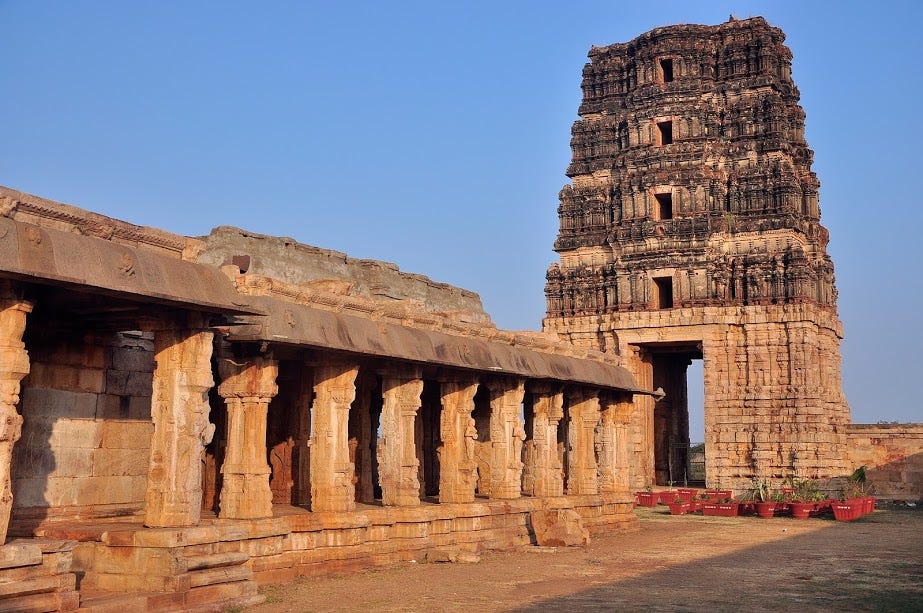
436,135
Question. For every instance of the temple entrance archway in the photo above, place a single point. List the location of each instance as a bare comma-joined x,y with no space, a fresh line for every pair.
671,423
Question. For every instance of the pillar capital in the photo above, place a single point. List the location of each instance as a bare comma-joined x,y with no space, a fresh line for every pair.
252,378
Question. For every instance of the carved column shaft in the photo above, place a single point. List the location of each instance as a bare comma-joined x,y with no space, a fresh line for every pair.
14,366
612,444
331,469
247,388
457,466
301,494
365,485
179,410
582,470
507,433
398,465
547,411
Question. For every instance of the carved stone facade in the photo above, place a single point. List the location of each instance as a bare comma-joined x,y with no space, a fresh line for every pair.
691,229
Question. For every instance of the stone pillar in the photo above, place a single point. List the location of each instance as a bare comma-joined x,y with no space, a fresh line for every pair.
612,443
547,411
582,477
179,410
332,471
247,386
398,465
301,462
507,434
457,465
14,365
361,438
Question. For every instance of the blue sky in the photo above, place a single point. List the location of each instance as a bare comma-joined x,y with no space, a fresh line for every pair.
436,136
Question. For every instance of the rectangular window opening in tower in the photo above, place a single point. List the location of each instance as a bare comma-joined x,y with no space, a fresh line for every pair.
665,130
664,206
663,292
666,70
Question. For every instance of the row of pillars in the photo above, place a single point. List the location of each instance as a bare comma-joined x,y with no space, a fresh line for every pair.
597,459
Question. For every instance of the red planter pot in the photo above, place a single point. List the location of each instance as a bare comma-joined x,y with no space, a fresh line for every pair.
765,509
715,495
668,496
679,508
721,509
847,511
647,499
801,510
687,494
869,504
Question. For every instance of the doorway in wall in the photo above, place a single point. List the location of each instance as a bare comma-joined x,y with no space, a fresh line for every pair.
679,417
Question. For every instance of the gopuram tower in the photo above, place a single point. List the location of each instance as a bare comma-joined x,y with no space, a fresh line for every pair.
691,229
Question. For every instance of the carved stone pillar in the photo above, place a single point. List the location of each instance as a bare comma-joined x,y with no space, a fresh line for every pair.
361,438
507,434
612,443
179,410
582,469
398,465
301,462
14,365
457,465
247,387
332,471
547,411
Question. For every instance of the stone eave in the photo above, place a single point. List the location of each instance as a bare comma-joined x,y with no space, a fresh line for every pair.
52,257
295,324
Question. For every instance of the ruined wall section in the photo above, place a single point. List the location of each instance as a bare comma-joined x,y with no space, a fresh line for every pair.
893,456
86,408
334,272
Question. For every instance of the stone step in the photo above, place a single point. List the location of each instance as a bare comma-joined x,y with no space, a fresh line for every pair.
222,574
41,603
216,560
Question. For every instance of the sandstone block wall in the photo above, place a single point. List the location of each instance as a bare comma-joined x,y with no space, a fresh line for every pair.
893,456
292,262
86,427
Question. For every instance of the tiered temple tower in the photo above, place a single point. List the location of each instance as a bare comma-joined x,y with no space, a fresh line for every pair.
691,229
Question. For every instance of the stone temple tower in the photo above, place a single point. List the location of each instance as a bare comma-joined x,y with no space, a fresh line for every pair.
691,229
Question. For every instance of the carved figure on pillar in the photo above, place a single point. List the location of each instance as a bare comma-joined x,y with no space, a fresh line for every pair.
14,366
179,410
398,465
584,416
547,469
507,434
457,464
248,385
331,469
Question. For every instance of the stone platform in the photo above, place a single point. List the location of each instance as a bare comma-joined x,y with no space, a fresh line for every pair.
121,565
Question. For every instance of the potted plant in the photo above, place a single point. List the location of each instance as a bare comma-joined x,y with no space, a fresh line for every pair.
855,499
679,506
647,498
667,496
724,507
804,497
763,503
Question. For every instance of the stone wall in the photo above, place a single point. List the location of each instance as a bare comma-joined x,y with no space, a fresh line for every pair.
287,260
893,456
86,426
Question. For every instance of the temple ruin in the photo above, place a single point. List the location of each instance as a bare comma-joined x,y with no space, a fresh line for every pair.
186,418
691,230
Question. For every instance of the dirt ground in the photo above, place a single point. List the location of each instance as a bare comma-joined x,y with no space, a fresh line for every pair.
687,563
